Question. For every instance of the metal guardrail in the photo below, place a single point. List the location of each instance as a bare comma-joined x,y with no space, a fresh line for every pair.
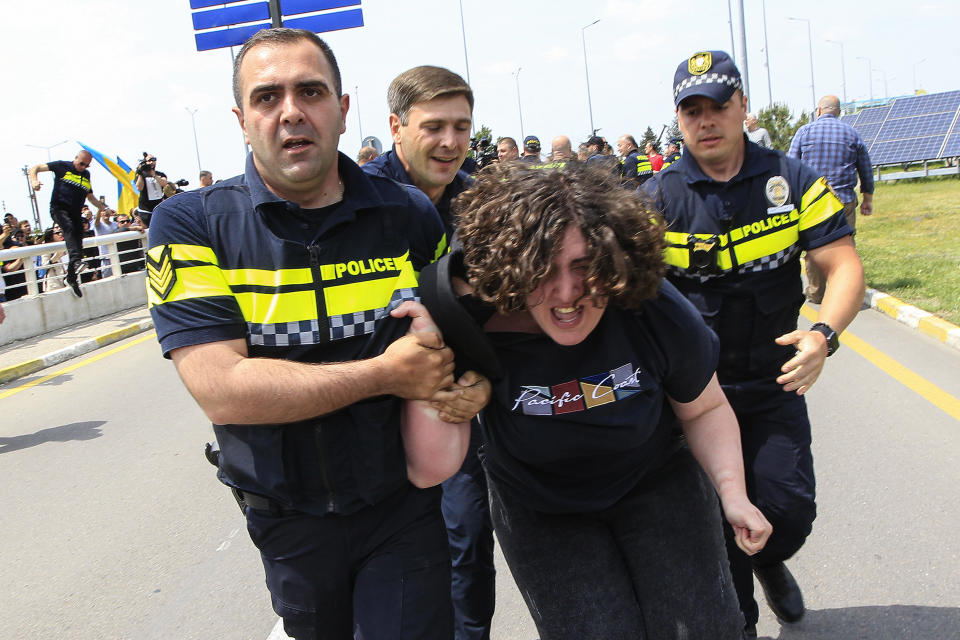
114,257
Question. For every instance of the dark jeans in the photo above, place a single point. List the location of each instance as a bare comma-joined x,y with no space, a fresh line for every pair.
778,465
470,533
652,566
71,223
382,573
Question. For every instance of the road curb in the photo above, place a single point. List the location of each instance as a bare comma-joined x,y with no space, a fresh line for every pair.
77,349
915,318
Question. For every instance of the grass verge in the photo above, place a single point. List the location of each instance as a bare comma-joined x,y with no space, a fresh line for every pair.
910,247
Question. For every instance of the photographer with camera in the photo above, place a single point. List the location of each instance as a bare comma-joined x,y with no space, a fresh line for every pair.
484,153
148,183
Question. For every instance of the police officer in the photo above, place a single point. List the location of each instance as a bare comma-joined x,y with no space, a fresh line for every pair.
531,150
672,154
635,168
272,293
430,113
739,217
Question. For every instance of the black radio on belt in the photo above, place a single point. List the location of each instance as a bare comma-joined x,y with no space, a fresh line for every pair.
703,254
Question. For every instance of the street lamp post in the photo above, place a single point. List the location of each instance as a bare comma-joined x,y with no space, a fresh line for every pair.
516,76
356,96
915,73
586,70
466,62
843,68
47,148
869,73
766,53
886,92
196,145
813,90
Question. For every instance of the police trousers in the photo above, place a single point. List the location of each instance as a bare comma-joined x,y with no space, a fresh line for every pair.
778,465
652,566
382,573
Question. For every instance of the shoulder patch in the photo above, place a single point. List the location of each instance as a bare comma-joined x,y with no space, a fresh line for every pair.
160,273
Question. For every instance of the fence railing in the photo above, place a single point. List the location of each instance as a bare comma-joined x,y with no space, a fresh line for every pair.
112,264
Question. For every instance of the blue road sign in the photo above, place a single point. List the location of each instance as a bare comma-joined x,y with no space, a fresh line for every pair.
244,20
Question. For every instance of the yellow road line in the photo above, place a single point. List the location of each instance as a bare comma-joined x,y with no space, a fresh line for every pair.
923,387
73,367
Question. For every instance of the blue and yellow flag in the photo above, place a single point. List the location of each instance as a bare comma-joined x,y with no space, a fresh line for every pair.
127,192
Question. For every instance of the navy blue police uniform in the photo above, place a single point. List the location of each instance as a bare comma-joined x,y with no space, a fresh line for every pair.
733,250
635,169
465,508
346,541
70,189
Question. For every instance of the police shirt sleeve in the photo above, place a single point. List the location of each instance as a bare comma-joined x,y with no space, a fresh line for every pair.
690,348
821,212
188,294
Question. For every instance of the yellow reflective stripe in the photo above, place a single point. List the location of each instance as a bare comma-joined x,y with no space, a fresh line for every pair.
365,296
676,237
192,252
677,257
766,245
272,308
820,210
724,259
194,282
441,248
267,278
813,193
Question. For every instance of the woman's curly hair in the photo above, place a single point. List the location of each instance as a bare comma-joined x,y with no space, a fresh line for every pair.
513,219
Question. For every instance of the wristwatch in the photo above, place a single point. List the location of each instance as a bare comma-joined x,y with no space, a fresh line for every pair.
833,340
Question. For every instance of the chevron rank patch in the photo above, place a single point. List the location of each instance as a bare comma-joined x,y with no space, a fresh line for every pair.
160,273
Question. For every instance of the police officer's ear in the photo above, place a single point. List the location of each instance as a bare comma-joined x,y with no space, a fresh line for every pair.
395,125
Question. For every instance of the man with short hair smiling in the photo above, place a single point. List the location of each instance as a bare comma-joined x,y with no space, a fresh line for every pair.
430,115
431,109
738,217
275,294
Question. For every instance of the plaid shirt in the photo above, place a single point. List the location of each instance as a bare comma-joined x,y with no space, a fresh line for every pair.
834,149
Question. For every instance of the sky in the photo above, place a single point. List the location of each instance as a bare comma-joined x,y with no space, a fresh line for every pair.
123,77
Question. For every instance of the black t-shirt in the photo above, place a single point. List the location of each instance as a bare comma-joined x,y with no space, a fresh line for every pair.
70,188
573,428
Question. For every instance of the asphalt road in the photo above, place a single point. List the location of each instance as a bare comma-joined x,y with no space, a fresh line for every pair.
114,526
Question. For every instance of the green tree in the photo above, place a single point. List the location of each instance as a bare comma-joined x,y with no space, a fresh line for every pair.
780,124
648,136
673,131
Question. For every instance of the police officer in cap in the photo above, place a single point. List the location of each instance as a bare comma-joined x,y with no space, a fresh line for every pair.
672,154
531,150
739,217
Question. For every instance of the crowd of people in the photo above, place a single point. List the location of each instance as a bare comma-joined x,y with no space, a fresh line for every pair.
594,354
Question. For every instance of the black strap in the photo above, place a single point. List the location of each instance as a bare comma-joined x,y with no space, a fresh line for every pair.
459,329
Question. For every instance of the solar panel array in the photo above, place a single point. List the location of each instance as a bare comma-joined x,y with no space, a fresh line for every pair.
911,129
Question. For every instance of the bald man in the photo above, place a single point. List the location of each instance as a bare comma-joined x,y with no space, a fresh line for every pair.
757,135
835,150
561,150
70,189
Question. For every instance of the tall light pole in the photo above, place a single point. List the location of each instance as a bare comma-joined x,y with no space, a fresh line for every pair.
766,52
813,90
47,148
586,70
915,74
356,95
869,73
843,68
742,57
196,145
886,93
466,61
516,76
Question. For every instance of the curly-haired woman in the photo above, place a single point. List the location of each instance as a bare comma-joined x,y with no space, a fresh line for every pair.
609,525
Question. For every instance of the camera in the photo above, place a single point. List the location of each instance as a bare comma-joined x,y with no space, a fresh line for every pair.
703,254
484,153
182,182
148,163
